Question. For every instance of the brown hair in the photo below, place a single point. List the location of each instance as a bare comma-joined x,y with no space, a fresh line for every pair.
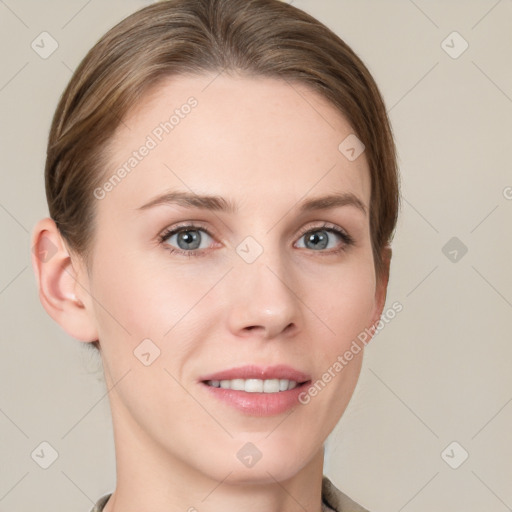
265,38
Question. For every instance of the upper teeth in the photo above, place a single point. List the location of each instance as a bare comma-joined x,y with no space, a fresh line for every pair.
254,385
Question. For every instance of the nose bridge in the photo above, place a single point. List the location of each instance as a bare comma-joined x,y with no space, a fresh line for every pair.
262,293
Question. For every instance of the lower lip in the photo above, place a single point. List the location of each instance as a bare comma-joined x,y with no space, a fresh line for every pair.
259,404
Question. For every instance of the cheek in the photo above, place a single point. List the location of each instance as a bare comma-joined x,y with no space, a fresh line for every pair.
134,297
130,306
352,307
346,307
345,302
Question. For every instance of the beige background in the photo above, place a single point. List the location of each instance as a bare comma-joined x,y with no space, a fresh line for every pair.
438,373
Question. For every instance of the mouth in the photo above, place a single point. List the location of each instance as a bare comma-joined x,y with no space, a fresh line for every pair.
258,391
257,379
255,385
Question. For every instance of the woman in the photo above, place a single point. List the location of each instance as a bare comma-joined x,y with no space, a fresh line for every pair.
222,186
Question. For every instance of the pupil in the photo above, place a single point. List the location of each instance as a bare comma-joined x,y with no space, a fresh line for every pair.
318,239
189,237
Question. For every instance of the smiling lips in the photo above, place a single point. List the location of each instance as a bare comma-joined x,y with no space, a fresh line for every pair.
258,391
254,385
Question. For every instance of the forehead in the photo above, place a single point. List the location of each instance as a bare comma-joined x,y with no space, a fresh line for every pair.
242,137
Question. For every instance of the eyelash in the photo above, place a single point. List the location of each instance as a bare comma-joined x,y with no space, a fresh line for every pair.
347,239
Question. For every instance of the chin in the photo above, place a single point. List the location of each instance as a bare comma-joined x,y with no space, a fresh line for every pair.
263,461
263,474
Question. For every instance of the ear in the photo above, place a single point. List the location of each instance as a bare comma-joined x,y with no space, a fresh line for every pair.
62,283
381,288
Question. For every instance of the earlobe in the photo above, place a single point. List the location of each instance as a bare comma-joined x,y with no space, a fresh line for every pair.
61,290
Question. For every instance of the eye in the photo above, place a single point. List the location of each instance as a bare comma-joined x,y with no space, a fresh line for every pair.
192,240
188,240
325,237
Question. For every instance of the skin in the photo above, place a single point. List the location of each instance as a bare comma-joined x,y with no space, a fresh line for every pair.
258,142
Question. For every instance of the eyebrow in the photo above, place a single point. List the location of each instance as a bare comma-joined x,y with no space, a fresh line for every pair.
218,203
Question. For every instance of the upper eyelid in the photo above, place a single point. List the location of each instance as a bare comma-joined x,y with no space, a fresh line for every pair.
190,226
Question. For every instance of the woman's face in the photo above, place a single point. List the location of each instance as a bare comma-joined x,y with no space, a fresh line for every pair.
260,280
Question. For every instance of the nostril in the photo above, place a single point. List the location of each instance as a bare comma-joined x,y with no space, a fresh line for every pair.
251,327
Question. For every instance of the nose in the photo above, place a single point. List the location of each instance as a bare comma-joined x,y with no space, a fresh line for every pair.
263,301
